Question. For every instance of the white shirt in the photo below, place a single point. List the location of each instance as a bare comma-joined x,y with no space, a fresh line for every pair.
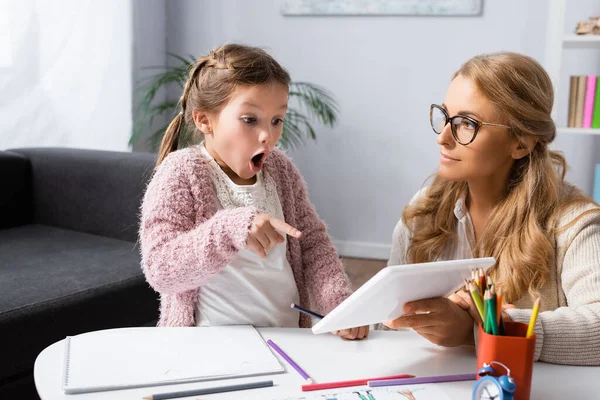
460,249
249,290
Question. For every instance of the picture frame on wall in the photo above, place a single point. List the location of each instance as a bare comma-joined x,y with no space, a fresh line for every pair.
382,7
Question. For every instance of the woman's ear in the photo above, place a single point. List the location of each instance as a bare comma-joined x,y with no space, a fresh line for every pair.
202,122
523,146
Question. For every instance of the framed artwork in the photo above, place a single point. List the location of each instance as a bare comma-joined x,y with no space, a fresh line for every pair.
383,7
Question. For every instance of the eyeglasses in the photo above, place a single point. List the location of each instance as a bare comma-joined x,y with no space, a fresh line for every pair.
464,129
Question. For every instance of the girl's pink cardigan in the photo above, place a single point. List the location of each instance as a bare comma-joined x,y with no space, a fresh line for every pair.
185,241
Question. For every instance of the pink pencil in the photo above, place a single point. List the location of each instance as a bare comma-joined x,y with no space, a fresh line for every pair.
356,382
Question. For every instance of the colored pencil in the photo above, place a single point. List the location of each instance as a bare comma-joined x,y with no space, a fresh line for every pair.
356,382
486,313
492,309
219,389
290,361
499,311
498,305
425,379
477,300
475,278
305,311
533,319
482,281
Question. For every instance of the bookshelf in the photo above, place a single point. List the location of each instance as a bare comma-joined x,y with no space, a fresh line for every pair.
556,44
577,41
567,55
577,131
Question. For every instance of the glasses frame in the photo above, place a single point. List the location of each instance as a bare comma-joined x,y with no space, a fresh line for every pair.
478,124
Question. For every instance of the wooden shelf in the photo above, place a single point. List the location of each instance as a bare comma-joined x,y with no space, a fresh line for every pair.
578,131
584,41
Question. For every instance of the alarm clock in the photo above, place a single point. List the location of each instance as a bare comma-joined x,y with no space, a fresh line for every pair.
489,387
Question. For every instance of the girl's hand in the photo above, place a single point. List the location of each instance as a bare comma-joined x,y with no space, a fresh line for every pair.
443,323
353,333
263,234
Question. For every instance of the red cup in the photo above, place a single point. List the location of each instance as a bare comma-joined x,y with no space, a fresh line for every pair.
513,350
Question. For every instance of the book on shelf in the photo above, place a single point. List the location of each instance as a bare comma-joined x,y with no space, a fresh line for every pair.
588,108
580,101
596,113
584,102
573,82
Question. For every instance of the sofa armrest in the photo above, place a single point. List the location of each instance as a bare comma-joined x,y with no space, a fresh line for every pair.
91,191
16,206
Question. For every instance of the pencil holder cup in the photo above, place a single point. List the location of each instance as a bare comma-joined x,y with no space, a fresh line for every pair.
513,350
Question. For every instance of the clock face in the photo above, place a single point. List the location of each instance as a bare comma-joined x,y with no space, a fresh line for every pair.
487,389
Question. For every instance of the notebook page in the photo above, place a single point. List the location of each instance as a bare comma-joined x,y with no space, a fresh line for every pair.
135,357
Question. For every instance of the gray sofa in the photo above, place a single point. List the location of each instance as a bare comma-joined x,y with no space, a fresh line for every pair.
69,262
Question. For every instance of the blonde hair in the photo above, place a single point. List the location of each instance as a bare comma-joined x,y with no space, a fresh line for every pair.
520,229
212,80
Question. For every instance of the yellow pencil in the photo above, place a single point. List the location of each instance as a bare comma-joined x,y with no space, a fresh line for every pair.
475,278
533,319
477,301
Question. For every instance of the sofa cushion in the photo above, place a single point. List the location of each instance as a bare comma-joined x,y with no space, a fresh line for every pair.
97,192
56,282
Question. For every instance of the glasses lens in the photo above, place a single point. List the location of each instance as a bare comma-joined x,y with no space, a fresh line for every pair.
464,129
437,119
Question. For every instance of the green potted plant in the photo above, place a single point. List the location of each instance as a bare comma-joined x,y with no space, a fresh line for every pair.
308,103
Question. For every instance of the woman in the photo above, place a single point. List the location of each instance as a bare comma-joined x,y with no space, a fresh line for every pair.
500,192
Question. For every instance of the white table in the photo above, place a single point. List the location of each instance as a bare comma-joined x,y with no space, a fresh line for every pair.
328,358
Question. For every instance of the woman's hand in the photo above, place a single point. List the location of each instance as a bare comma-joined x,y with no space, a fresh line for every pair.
359,333
464,300
263,234
439,320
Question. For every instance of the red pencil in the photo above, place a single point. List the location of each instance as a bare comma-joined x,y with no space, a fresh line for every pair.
357,382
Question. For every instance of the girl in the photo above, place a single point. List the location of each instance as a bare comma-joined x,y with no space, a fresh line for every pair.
228,235
500,192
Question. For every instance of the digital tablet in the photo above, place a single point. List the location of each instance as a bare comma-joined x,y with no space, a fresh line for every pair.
382,297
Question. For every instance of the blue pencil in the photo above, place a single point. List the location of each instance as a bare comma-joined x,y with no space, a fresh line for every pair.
305,311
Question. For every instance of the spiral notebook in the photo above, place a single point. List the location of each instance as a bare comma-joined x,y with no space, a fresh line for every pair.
136,357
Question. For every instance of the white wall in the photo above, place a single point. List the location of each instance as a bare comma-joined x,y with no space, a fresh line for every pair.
69,79
149,51
385,72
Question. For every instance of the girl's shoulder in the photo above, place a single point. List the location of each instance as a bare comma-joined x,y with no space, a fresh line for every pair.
183,168
183,162
280,166
187,157
279,158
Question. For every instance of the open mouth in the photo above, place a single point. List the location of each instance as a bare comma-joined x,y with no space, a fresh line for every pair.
258,159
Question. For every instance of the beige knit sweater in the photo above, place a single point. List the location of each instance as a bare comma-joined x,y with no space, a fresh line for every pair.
568,326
